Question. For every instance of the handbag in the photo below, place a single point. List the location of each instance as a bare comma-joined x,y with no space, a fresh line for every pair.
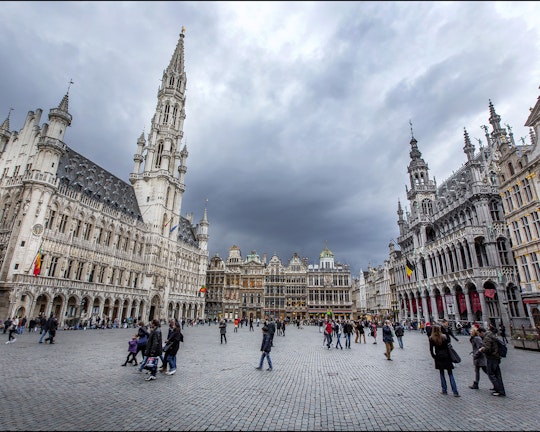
454,356
151,363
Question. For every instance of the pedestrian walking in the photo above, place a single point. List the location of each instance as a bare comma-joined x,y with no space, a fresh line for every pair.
328,333
132,351
339,330
22,325
438,348
502,332
251,324
271,330
43,328
399,331
447,330
490,348
223,330
388,339
479,358
266,347
172,345
12,329
154,347
52,326
347,331
142,340
7,324
32,325
374,332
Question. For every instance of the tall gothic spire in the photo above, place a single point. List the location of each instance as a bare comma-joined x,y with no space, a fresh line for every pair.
468,148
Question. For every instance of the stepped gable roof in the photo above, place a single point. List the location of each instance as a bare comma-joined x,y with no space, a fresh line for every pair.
534,116
78,173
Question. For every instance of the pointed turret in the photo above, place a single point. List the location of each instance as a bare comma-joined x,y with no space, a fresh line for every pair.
138,157
422,188
499,133
203,233
5,134
51,145
401,221
468,148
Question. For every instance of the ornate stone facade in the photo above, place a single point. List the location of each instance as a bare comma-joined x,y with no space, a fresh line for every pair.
456,244
106,248
251,287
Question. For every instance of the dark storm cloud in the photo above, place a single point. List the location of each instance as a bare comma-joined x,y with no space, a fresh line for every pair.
297,112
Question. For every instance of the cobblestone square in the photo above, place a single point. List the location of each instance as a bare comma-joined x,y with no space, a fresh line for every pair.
79,384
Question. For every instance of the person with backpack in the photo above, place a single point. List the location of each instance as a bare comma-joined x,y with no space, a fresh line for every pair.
490,347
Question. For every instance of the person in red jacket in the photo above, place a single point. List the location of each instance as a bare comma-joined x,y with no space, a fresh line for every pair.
328,332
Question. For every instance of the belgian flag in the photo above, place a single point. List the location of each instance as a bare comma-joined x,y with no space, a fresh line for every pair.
409,268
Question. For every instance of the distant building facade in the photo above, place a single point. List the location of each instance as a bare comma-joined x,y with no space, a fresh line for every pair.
79,242
253,288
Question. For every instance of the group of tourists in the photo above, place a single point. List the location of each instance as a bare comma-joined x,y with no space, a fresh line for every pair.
149,342
487,349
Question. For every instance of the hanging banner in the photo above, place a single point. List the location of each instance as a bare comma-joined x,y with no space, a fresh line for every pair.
475,302
462,302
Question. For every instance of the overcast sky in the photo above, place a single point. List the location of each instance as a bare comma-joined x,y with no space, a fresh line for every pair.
297,114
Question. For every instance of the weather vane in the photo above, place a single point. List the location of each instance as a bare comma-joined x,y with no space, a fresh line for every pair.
410,124
70,83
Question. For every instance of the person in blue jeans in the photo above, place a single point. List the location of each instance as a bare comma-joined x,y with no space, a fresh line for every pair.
266,347
173,344
44,328
438,347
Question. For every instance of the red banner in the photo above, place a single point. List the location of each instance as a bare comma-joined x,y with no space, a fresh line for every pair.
475,302
489,293
414,306
462,302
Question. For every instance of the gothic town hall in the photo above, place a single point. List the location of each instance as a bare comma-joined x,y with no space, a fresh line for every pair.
79,242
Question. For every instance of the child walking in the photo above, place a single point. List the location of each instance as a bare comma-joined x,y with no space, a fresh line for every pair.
132,349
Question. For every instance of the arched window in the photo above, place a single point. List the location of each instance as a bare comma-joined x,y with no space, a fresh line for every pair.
166,116
495,211
503,251
159,154
511,168
427,207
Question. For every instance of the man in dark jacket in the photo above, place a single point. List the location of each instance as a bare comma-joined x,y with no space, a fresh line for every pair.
271,330
266,347
490,348
447,330
52,325
154,347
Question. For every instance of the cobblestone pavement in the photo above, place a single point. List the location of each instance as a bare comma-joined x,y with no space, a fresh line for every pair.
79,385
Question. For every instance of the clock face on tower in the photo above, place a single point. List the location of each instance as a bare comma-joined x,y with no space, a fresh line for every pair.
37,229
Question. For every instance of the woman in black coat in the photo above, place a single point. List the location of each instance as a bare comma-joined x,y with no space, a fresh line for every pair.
172,345
154,347
438,347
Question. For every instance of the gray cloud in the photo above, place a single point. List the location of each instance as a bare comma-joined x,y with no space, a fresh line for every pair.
297,112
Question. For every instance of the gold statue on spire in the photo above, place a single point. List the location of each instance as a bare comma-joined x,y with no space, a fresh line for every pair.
183,30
